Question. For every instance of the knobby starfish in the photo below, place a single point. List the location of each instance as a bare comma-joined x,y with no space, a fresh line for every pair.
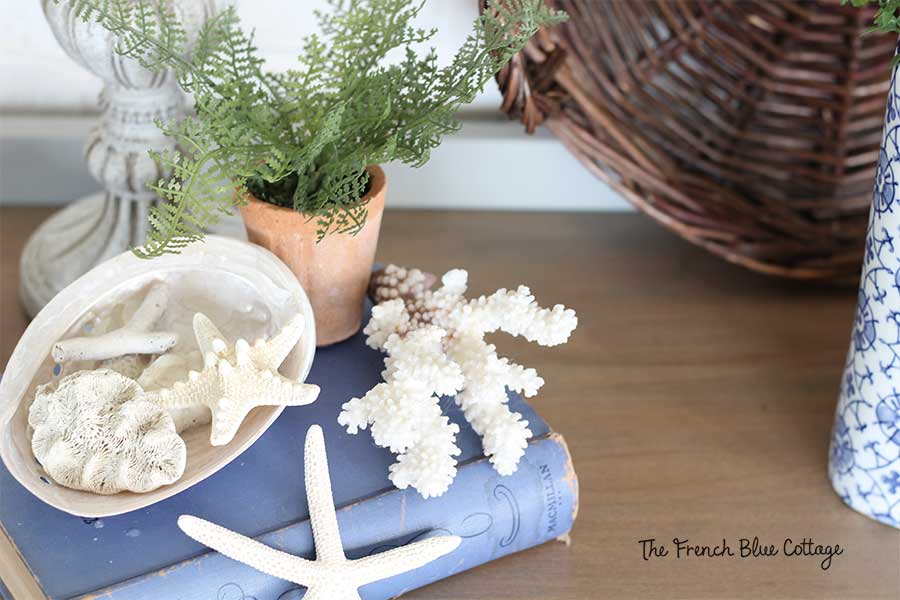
332,576
235,379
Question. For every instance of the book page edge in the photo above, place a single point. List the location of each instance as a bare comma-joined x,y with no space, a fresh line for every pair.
14,572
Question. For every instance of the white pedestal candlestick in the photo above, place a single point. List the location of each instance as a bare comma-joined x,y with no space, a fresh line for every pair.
107,223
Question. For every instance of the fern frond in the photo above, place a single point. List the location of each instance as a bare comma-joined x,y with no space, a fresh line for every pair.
193,199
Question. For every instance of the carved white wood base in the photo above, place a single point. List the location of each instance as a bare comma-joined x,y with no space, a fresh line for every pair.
72,241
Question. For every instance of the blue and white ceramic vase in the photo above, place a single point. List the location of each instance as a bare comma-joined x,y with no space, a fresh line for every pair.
864,462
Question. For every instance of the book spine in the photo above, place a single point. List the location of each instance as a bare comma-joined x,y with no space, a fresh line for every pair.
494,516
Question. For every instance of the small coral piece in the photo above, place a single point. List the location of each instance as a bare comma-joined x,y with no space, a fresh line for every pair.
435,342
134,338
96,432
235,379
129,365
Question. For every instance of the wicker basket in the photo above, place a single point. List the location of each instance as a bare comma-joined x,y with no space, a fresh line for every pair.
750,128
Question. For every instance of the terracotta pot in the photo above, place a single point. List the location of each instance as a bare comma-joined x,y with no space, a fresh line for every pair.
334,272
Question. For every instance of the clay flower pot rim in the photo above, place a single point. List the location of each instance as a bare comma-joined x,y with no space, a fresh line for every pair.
377,182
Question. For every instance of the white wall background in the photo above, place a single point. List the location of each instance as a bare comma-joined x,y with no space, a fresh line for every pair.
47,103
36,75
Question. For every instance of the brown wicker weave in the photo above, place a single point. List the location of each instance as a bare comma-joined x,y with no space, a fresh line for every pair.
751,128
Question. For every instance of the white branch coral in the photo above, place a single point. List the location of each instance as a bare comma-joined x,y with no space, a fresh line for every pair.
435,342
405,414
96,432
134,338
235,379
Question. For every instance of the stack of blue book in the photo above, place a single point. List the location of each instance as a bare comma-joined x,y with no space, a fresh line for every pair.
144,556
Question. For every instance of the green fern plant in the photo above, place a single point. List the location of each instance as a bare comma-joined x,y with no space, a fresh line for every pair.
303,138
887,17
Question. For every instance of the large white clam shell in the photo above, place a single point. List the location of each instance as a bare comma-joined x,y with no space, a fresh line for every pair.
248,292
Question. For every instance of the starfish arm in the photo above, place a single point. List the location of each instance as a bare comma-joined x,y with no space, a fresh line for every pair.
243,388
226,422
269,354
279,391
322,515
197,389
405,558
250,552
207,334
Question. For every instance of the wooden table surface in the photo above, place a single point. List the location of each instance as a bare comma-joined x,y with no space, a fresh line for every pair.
696,398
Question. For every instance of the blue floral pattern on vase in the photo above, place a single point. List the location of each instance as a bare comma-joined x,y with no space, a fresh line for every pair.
864,461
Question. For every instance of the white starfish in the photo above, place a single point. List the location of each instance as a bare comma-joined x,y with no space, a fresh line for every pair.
234,380
332,576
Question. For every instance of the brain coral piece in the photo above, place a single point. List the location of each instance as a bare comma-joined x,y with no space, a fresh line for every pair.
96,432
435,342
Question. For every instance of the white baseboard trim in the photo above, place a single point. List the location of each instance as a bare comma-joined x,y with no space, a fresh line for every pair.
490,164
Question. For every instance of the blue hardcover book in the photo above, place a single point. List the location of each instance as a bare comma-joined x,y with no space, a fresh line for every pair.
143,555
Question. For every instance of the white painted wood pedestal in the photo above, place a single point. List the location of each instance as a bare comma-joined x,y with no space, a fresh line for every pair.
105,224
